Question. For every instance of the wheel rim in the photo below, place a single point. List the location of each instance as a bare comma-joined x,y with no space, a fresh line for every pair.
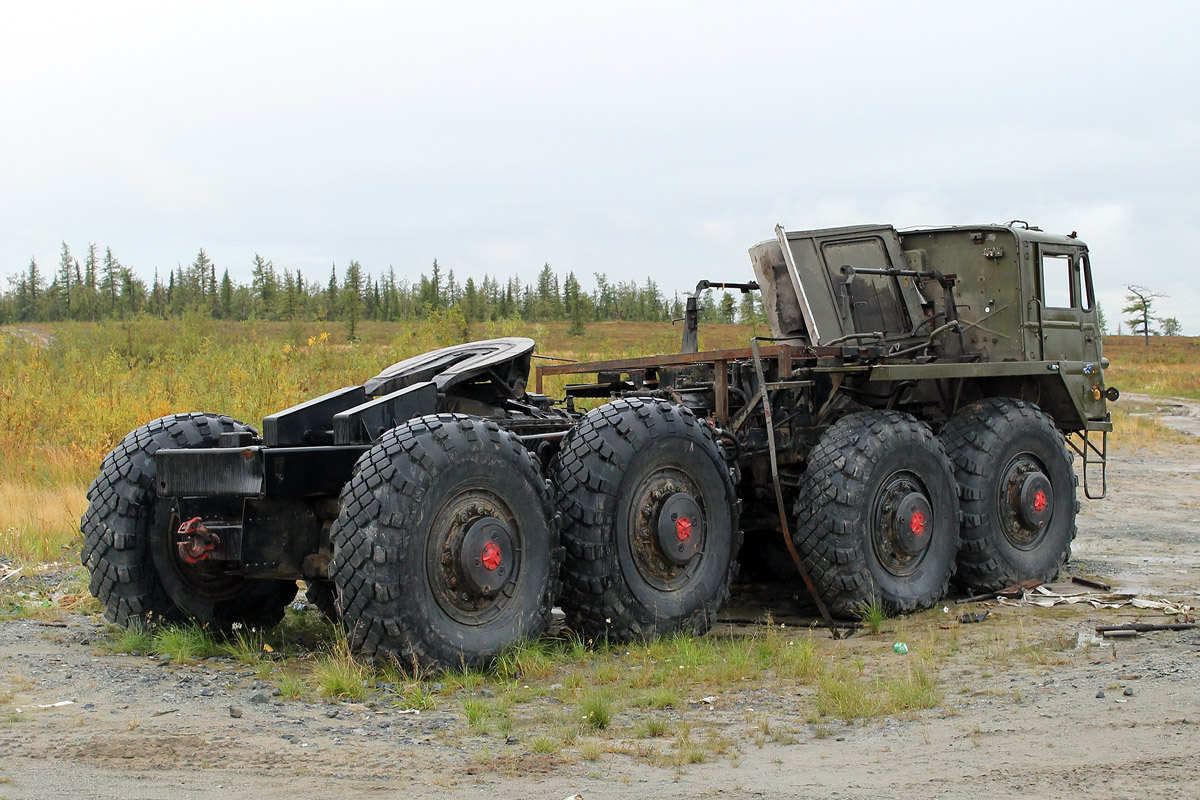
668,529
902,523
473,556
1025,501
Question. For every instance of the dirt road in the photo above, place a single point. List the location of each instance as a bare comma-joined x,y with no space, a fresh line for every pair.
1020,717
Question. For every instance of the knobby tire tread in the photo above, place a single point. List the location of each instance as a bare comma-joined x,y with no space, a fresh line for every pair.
587,474
970,438
828,531
378,506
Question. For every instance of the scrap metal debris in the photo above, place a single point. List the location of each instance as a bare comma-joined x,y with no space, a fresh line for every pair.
1010,592
1141,627
1051,595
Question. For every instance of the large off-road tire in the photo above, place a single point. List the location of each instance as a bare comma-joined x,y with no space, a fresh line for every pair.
877,515
129,540
650,521
446,549
1017,492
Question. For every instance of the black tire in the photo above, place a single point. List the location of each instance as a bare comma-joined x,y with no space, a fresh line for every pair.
129,544
621,471
323,595
446,549
1004,451
857,525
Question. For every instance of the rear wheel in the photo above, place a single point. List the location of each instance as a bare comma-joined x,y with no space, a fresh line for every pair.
1017,492
130,545
446,548
650,521
877,514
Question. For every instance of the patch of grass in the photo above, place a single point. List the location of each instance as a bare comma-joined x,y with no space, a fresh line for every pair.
246,646
134,639
659,699
913,689
527,660
651,728
787,654
294,687
686,750
1136,431
463,680
846,694
543,745
596,709
418,696
185,642
476,710
504,721
339,675
872,615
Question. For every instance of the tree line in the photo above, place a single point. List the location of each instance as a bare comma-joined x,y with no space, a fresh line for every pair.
101,288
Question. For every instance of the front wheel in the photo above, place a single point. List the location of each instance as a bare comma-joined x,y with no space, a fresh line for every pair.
446,547
1017,491
877,514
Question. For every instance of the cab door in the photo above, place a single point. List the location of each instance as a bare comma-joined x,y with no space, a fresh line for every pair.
1059,304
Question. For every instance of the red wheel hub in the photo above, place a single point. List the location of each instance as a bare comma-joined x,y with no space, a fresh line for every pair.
491,556
1034,501
916,524
683,529
488,558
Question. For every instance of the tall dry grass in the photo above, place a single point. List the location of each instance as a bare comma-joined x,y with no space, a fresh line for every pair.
1169,365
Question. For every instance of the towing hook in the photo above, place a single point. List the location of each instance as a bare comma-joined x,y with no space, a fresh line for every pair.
195,542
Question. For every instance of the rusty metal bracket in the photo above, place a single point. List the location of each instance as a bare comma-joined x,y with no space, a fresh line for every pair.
196,542
837,632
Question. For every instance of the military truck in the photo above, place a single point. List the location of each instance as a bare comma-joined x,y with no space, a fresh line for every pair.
911,419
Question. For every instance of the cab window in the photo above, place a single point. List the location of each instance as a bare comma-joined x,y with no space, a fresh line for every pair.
1084,266
1058,285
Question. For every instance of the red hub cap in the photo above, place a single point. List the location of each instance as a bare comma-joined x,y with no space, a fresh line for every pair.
680,525
917,524
683,529
491,556
1035,502
488,557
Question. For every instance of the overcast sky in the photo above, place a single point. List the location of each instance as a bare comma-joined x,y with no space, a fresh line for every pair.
636,139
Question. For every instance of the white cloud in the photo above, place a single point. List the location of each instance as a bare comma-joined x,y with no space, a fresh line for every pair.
658,138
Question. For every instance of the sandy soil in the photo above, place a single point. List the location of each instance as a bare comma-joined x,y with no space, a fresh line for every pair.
1111,719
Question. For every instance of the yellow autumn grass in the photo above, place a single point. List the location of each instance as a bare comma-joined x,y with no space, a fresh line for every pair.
40,522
